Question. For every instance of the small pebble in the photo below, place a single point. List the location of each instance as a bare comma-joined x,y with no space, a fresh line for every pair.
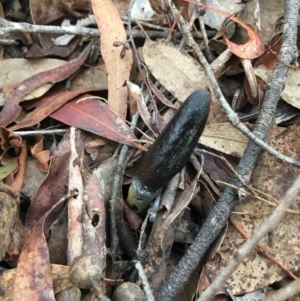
128,291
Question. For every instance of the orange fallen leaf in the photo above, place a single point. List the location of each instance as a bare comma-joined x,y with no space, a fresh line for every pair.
118,69
252,49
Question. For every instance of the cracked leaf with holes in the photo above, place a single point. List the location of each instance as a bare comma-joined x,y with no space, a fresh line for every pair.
272,178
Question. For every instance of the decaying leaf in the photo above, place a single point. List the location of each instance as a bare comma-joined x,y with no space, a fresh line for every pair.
33,279
224,138
9,207
135,95
178,72
12,108
291,91
33,274
272,178
250,50
46,11
57,177
10,74
45,106
60,277
162,237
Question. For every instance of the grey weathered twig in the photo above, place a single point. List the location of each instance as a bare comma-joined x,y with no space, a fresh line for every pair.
285,293
8,27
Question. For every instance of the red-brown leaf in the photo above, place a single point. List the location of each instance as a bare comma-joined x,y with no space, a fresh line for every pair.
47,105
252,49
12,108
96,117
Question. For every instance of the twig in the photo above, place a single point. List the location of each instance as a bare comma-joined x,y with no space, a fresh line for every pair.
145,282
290,290
270,224
116,190
8,27
41,132
221,212
114,206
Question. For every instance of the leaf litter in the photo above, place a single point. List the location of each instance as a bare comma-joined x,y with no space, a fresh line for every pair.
83,164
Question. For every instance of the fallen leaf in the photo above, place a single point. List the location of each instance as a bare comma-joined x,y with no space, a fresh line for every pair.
10,74
135,95
272,178
46,11
12,107
8,215
162,237
33,274
291,91
93,77
118,69
57,178
250,50
269,17
60,277
45,106
96,117
224,138
178,72
33,279
45,47
40,154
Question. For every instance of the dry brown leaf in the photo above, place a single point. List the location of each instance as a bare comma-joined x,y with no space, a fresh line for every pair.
291,91
273,178
93,77
8,215
40,154
44,106
135,95
12,108
178,72
10,74
33,273
224,138
60,277
46,11
268,17
58,176
118,69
